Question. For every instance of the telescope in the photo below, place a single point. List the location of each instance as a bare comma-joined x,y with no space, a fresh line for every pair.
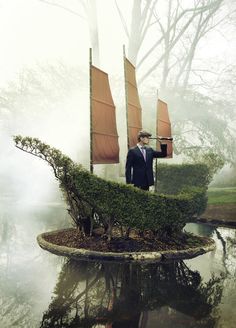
162,138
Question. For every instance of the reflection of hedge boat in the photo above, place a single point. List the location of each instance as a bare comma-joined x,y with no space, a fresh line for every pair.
124,295
93,200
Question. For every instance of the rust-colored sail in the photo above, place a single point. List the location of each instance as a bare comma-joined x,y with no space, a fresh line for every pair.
133,107
105,147
163,127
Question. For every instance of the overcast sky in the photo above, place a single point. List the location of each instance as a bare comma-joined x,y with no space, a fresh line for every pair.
31,31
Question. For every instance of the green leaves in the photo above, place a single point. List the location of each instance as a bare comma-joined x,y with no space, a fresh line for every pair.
172,179
126,205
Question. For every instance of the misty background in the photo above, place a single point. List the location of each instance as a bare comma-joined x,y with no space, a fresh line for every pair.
184,50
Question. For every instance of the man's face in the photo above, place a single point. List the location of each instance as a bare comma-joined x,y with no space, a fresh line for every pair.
145,140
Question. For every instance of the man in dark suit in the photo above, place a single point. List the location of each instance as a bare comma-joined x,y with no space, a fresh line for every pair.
139,163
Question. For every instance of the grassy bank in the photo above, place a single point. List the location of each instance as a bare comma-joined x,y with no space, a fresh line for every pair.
221,196
221,205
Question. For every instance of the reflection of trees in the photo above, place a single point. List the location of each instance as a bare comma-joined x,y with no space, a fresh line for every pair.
19,263
232,243
227,240
89,293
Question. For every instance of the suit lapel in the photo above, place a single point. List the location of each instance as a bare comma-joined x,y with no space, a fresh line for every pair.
147,154
138,151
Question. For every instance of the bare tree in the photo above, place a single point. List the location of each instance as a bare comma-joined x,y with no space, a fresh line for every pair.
194,21
142,20
201,119
85,10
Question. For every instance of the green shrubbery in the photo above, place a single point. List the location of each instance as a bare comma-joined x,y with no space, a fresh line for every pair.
135,208
172,179
94,201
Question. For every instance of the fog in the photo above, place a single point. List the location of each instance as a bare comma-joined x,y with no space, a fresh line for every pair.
184,49
45,79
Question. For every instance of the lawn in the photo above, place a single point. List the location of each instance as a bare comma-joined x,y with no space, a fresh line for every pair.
222,195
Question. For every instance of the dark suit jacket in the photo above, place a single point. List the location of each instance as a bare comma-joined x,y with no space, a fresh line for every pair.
138,171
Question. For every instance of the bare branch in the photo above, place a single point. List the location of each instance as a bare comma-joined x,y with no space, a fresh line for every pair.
62,7
122,20
168,49
145,27
195,12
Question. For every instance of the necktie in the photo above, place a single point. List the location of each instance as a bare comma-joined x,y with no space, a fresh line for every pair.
143,152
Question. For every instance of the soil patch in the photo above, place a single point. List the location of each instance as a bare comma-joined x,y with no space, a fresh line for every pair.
220,213
72,238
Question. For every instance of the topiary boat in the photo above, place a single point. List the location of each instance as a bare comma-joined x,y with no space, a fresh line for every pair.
95,202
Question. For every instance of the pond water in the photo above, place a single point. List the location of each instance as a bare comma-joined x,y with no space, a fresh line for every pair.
39,289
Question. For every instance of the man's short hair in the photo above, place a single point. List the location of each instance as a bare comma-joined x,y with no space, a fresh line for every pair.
143,134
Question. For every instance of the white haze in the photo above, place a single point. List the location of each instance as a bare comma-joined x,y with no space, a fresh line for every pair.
34,34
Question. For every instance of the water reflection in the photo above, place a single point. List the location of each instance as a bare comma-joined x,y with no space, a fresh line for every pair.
220,261
41,289
23,264
92,294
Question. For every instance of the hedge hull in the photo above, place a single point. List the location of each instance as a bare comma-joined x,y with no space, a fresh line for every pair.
93,201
